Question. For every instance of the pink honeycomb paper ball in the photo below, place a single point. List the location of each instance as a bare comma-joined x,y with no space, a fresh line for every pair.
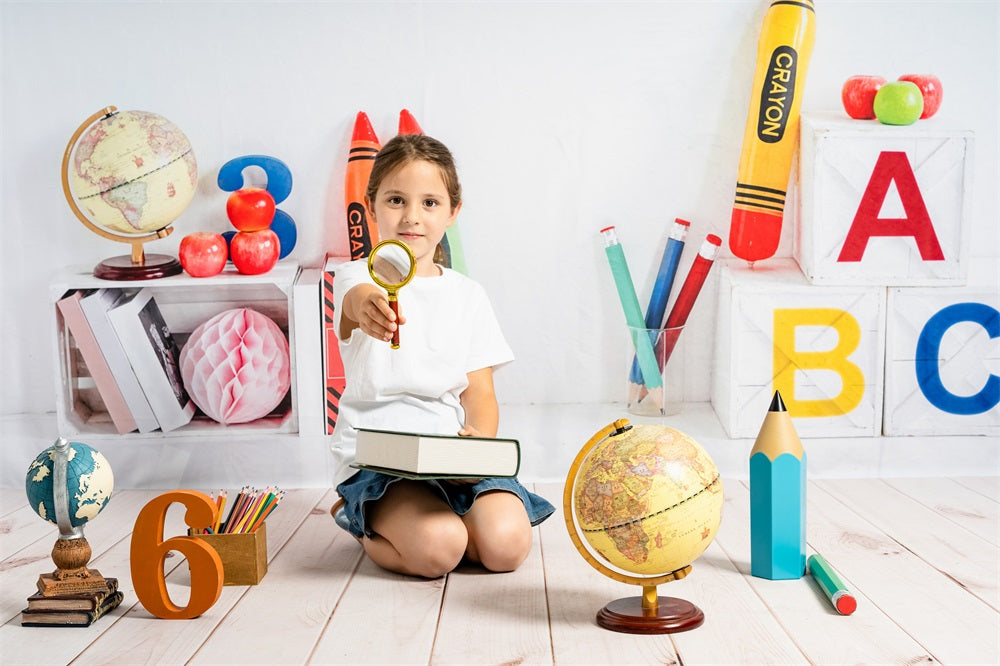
236,366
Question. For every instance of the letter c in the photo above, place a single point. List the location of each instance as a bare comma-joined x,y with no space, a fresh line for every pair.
928,352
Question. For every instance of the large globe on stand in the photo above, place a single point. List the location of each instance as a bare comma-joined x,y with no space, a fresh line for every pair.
647,499
132,173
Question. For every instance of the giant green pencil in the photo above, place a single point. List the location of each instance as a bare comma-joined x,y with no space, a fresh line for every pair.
633,315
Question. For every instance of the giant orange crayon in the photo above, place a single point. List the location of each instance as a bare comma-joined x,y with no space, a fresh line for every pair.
783,51
362,233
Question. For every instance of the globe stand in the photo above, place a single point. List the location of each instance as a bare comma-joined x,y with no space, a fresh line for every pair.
71,555
71,552
138,266
650,613
148,267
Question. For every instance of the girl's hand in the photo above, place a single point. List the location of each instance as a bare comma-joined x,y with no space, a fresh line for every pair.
469,431
375,317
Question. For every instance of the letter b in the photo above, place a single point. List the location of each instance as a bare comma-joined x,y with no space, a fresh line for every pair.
788,359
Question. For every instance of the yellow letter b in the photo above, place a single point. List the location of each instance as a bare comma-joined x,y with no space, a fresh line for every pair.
788,359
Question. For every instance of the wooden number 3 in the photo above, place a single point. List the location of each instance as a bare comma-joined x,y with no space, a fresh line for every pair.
149,551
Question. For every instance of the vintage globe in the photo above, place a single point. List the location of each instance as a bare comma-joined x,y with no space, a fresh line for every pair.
133,172
647,498
89,483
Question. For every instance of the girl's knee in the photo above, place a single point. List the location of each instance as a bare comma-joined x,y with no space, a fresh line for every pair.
436,546
506,547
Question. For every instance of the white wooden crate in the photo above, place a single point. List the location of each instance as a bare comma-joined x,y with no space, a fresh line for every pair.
823,347
859,179
949,384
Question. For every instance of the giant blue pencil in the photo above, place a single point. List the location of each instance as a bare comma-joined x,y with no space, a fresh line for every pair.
777,498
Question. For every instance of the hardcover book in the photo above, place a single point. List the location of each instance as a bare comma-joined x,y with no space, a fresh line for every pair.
97,365
70,618
421,455
95,307
154,357
86,601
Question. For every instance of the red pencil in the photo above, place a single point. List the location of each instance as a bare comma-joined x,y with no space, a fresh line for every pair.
686,297
362,233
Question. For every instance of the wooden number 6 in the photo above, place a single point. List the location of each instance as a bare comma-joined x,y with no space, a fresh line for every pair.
149,551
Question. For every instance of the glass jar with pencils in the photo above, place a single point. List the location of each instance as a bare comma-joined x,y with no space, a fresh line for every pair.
656,373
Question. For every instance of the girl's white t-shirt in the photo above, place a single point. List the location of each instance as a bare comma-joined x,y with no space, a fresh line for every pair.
450,330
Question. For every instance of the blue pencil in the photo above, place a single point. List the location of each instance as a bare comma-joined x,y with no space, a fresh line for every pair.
661,294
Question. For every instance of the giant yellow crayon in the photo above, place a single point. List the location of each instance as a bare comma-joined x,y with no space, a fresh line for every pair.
786,42
777,498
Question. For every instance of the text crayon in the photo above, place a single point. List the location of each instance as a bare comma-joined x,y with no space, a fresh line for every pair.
408,124
633,314
772,129
832,586
777,498
664,282
362,233
686,297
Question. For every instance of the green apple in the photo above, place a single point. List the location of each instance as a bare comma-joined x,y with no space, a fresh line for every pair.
899,103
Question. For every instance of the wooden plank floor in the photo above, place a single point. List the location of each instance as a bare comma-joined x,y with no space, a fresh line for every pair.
921,555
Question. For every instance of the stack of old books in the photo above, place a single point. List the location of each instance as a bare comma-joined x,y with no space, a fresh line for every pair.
78,609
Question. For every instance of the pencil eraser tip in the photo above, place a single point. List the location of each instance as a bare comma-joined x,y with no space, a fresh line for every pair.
847,604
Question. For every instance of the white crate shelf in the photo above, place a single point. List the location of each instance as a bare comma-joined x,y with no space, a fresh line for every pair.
185,303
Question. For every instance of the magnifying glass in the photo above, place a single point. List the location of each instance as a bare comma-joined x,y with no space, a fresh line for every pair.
392,265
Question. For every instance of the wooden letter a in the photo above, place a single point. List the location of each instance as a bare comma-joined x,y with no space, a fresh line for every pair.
891,166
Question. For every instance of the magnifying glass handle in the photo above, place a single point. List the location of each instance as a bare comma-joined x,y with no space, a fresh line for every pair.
394,306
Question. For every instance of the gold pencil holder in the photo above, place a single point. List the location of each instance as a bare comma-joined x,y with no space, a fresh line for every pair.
244,556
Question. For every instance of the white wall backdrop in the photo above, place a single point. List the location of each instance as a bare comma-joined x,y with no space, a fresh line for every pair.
564,117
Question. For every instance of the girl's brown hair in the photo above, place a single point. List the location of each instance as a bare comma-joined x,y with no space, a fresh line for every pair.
405,148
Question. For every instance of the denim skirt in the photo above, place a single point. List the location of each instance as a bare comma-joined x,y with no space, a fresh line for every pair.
368,486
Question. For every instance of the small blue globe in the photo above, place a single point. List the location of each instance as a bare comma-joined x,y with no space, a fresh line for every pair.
89,483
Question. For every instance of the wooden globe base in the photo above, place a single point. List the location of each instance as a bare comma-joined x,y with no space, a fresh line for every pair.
122,267
71,575
670,615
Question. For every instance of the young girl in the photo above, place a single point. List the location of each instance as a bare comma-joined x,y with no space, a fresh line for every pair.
440,380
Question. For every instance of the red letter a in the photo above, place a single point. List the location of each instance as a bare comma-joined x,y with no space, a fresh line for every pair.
891,166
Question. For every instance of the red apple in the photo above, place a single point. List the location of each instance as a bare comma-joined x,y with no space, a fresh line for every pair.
250,209
858,95
930,88
203,253
254,252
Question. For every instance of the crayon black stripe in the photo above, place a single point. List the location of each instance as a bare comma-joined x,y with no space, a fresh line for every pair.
363,149
750,204
759,188
658,513
808,5
361,157
747,197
